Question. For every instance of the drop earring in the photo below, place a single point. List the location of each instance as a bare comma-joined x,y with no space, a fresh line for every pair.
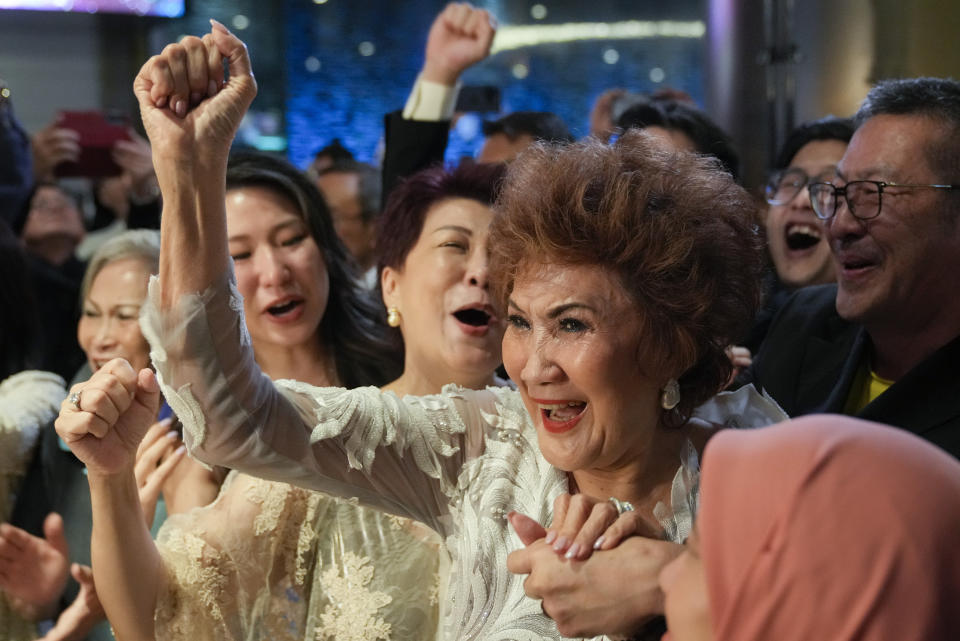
671,395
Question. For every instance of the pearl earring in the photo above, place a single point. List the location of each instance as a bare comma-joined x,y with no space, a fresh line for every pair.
393,317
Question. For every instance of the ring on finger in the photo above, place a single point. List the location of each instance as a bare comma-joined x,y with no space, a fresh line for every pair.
74,398
621,506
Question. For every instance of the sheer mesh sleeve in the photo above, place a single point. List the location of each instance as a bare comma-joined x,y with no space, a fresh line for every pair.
270,561
400,455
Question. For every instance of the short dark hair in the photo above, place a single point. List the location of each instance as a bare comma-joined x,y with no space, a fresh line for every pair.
934,98
675,115
540,125
335,151
675,229
828,128
370,185
407,206
353,326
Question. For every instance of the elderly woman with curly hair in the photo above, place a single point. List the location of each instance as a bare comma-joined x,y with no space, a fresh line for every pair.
624,273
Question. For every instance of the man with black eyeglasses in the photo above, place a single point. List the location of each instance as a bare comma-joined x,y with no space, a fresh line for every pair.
884,342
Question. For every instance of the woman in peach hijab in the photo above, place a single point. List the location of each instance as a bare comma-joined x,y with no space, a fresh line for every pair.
825,528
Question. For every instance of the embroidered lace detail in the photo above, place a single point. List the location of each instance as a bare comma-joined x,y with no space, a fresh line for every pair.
433,596
677,520
353,613
458,461
203,570
186,407
271,497
236,304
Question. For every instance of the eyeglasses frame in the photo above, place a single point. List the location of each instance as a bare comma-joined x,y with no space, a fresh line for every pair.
880,184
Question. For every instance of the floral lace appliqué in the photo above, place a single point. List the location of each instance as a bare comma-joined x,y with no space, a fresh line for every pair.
353,613
236,304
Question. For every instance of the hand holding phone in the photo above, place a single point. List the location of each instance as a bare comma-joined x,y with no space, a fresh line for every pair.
96,134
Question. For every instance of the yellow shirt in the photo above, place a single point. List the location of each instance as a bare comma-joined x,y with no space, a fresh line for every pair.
866,387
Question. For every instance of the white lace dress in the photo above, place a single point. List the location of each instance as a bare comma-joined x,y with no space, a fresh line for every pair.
458,461
28,401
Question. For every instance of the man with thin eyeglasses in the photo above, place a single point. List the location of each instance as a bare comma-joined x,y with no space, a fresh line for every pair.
884,342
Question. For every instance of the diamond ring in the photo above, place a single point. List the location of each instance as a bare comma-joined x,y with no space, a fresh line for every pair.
75,399
622,506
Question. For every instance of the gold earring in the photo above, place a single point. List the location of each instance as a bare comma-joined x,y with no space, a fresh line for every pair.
393,317
671,395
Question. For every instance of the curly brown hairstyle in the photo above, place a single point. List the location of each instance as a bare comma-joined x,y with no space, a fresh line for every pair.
673,226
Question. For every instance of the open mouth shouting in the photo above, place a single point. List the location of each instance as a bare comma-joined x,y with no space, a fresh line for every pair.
560,416
802,236
475,320
285,310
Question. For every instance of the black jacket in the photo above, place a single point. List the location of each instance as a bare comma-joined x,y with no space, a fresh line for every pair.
810,359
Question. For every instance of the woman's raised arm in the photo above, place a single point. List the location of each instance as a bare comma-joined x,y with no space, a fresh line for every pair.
191,116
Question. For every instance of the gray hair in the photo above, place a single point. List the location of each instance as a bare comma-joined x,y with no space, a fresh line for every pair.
934,98
140,244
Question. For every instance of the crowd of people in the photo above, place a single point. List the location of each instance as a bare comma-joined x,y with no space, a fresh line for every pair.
572,389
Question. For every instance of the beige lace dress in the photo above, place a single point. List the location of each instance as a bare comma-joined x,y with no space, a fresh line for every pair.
268,560
28,401
458,461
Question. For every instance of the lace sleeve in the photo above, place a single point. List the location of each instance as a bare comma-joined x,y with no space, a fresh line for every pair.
400,455
270,561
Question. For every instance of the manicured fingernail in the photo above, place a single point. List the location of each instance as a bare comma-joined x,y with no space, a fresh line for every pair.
216,24
161,101
212,88
561,544
181,108
166,421
573,552
180,450
598,543
172,434
551,535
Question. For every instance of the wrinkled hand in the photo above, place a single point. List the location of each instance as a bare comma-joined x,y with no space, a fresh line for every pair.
582,524
459,37
75,623
51,146
33,571
117,407
190,114
159,453
614,592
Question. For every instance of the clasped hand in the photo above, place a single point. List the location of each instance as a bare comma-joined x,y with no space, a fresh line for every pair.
608,583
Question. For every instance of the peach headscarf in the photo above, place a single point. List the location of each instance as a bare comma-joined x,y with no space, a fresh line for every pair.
830,528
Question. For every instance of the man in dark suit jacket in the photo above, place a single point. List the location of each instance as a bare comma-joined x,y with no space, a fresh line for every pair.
417,136
812,359
884,343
